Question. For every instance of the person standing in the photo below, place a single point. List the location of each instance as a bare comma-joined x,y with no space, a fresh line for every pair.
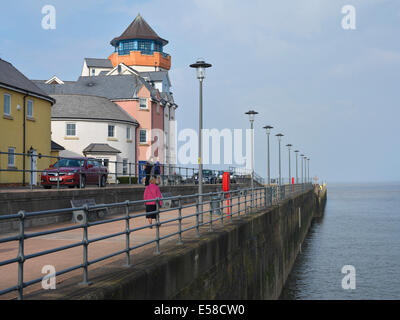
157,172
147,170
152,192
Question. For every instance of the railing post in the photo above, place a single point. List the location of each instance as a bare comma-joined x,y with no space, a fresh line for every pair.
130,179
222,208
116,173
180,220
230,204
85,241
197,217
157,227
211,211
21,255
127,234
245,202
58,177
239,199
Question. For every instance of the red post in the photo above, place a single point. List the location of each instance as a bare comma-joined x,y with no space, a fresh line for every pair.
226,185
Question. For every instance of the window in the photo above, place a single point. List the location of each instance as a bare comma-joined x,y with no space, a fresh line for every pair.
11,157
111,131
124,166
71,129
106,162
158,108
29,112
7,104
142,136
128,133
143,103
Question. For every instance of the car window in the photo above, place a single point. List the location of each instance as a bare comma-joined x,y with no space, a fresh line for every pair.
68,163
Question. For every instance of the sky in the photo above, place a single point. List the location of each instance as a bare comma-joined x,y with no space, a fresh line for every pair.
333,92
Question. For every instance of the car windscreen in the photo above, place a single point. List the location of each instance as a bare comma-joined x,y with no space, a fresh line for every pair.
69,163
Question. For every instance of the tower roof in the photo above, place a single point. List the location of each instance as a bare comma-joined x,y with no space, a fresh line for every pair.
138,29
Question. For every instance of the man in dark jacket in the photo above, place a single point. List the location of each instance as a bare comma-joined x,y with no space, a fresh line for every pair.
147,170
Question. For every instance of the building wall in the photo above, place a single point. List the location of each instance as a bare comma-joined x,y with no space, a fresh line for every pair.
38,134
88,132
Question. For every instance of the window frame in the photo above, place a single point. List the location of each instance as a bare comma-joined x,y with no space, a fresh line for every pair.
113,131
11,165
140,136
4,107
27,108
145,102
125,166
66,129
128,133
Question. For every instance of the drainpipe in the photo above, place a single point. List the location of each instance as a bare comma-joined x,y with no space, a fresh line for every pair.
24,140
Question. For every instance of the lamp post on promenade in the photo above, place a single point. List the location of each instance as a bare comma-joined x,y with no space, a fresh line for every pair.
302,170
200,67
279,135
268,128
251,115
290,174
297,175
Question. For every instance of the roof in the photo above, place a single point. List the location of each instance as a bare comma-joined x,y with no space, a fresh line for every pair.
155,75
11,77
111,87
100,148
138,29
86,107
55,146
98,63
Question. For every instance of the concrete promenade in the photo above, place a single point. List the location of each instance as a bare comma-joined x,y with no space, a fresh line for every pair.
68,258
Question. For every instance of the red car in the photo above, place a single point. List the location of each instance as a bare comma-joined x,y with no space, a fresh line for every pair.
73,172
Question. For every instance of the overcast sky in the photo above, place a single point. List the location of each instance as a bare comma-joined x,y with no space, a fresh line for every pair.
333,93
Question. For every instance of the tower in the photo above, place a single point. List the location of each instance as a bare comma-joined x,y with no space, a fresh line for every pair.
141,48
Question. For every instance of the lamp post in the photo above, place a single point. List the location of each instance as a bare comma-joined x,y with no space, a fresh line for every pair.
302,171
251,115
200,66
308,170
297,175
268,128
279,135
290,174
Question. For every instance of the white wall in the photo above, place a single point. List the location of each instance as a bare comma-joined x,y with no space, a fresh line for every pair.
88,132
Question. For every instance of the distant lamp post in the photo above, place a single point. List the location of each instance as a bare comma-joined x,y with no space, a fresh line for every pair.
279,135
302,171
200,66
290,174
268,128
308,170
297,175
252,115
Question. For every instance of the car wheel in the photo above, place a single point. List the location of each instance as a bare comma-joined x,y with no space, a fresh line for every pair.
82,182
47,187
71,187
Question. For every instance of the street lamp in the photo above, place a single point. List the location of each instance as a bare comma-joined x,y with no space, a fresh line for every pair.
268,128
297,175
308,169
279,135
251,115
302,171
290,174
200,66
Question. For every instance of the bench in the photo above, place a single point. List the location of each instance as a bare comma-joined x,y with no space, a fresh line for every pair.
78,216
169,203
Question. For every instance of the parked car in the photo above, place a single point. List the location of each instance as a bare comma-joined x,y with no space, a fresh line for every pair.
208,177
75,172
221,174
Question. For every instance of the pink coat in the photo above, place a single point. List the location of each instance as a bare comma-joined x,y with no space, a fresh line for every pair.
151,192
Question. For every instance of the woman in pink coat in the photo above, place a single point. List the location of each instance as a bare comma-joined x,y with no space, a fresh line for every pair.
151,192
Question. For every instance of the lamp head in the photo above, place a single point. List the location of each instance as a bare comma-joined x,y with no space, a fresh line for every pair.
251,115
268,128
200,66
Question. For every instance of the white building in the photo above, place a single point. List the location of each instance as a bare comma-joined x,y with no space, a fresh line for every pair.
94,126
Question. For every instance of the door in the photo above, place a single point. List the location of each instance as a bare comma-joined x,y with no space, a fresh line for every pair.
33,168
142,174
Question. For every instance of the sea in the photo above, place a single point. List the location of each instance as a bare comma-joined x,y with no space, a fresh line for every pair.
353,251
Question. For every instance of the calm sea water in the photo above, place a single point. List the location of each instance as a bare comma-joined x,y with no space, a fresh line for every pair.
361,227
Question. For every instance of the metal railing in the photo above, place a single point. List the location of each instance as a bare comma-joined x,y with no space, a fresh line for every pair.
214,208
118,172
